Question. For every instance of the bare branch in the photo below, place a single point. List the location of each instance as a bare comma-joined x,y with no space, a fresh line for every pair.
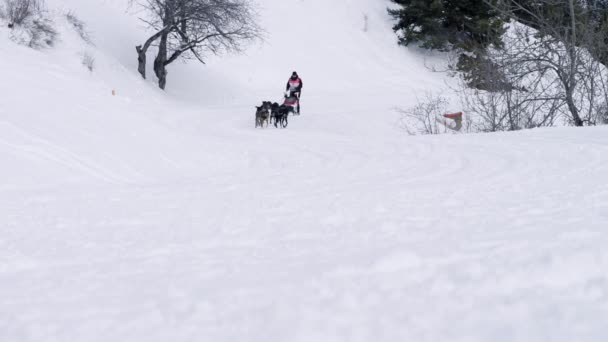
190,29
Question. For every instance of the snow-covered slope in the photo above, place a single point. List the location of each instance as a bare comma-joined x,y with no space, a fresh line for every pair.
152,216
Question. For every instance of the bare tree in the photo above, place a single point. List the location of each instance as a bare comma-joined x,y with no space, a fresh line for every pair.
549,54
191,29
506,92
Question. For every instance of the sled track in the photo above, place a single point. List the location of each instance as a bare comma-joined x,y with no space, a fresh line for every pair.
37,149
316,229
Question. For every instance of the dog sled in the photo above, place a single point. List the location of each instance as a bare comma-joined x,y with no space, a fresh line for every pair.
292,99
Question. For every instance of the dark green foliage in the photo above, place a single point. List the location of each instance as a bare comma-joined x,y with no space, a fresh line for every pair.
480,72
448,24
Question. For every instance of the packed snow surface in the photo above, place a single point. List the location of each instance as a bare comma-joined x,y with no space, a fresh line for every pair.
152,216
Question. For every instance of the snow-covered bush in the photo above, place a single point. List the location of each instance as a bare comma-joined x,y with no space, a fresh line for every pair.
29,23
80,27
17,12
88,60
42,33
38,32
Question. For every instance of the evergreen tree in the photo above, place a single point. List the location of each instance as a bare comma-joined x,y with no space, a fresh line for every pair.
469,25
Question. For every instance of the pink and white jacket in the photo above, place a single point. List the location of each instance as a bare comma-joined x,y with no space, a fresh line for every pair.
294,85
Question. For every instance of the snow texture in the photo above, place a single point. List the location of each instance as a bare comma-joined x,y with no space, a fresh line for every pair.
152,216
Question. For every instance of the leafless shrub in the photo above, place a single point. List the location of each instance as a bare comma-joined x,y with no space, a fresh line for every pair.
508,110
80,27
503,95
601,116
425,117
88,60
43,33
29,23
35,33
17,12
557,51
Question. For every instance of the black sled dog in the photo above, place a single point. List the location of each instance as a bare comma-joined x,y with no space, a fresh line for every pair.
280,113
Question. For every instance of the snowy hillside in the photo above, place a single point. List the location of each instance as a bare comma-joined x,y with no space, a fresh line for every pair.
165,216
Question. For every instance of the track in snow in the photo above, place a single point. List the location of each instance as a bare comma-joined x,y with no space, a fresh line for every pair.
317,236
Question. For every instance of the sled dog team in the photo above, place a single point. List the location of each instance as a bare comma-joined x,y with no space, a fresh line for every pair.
269,111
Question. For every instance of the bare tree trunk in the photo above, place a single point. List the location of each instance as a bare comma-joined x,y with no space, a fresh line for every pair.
142,50
141,61
512,124
573,64
576,118
160,63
